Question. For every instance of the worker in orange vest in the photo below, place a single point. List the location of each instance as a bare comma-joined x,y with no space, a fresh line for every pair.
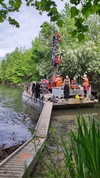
85,84
58,81
85,80
73,83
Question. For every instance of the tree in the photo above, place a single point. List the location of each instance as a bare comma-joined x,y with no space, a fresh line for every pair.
42,48
80,10
77,58
17,67
87,7
93,27
14,5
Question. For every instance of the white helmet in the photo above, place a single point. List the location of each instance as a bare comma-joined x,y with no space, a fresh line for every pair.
85,75
74,78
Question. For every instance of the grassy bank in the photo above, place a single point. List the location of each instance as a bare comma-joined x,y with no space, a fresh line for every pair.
74,156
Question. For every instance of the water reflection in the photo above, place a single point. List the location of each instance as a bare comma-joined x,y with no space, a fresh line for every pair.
64,119
17,121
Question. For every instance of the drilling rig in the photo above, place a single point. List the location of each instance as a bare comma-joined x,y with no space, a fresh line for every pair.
55,59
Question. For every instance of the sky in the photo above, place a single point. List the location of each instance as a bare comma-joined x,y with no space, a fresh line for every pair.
30,22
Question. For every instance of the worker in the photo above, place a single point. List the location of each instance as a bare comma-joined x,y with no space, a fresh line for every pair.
73,83
67,79
85,80
58,81
29,88
37,90
85,84
33,89
57,61
66,90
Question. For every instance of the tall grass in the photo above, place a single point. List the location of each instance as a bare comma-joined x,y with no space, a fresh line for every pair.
82,156
81,152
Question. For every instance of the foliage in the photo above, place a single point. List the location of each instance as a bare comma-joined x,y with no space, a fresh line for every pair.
84,58
7,8
42,48
29,65
87,7
82,156
80,10
79,58
93,27
13,6
76,58
78,156
15,69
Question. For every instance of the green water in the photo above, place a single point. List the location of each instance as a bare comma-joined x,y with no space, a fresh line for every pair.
64,119
17,120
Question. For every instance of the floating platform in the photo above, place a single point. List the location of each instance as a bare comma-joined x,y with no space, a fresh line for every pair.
59,102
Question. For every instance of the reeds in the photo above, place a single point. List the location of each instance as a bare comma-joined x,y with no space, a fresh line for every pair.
80,150
82,154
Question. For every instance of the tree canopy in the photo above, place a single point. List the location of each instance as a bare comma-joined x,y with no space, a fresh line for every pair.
80,10
77,58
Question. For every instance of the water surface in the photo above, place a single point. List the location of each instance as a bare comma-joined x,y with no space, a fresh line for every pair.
63,120
17,120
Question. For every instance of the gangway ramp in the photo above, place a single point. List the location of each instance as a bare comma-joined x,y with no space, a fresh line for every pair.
21,162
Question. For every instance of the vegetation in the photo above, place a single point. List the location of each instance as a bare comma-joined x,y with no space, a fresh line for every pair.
75,156
27,65
87,7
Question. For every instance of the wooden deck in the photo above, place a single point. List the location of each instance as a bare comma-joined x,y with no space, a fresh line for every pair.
71,102
60,103
21,162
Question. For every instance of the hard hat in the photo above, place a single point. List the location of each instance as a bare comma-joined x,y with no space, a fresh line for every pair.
77,96
58,75
74,78
66,76
85,75
34,82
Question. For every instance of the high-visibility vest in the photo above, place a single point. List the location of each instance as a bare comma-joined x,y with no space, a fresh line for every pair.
73,84
58,82
86,81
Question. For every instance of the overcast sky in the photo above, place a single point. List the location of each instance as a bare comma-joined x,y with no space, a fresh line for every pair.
30,22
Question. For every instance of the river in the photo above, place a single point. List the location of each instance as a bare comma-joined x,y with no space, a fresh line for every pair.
64,119
18,120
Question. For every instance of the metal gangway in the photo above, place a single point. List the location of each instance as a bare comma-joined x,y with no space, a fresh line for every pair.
21,162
